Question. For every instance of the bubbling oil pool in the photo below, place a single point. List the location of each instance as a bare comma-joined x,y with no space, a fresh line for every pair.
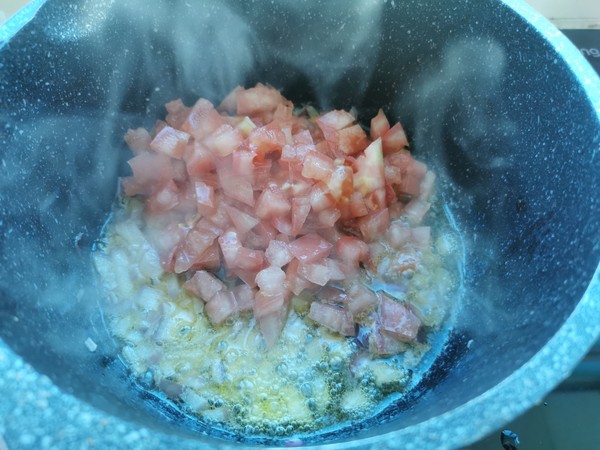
310,381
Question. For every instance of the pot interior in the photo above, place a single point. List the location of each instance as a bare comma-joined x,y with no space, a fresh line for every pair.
484,97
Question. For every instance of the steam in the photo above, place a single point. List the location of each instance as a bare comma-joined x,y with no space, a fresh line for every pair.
111,65
459,127
457,104
193,49
60,171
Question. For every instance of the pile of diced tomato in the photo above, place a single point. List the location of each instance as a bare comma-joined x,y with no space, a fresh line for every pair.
255,202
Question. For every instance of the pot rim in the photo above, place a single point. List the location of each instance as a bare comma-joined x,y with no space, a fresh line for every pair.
548,367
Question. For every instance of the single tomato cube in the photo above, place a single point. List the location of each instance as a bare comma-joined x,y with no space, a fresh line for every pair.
398,319
310,247
317,166
379,125
334,318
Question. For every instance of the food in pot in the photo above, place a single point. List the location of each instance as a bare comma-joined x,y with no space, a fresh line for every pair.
275,270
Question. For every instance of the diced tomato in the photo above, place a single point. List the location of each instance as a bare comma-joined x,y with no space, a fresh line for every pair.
321,198
379,125
316,272
376,200
151,169
303,137
229,103
300,209
331,234
415,210
224,140
278,254
393,174
334,318
246,126
230,246
352,140
383,343
341,183
271,326
138,140
236,187
242,163
221,307
247,276
177,113
271,281
317,166
210,259
199,160
266,232
202,120
269,193
131,187
262,174
218,215
370,173
336,119
244,297
398,319
282,224
283,115
205,194
351,250
374,225
204,285
328,217
400,235
272,203
361,300
394,139
427,185
192,248
164,199
267,139
249,259
413,177
296,152
165,239
294,280
266,304
310,247
241,221
357,207
322,147
159,125
337,271
257,100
